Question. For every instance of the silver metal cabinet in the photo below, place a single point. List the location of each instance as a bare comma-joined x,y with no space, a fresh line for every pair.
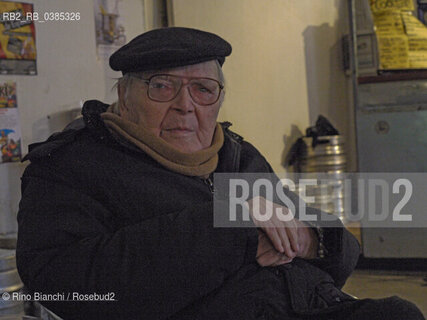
392,137
392,126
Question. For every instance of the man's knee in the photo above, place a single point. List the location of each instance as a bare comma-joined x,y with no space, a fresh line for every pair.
395,308
392,308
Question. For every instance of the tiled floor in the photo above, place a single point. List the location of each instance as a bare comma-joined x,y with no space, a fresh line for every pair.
377,284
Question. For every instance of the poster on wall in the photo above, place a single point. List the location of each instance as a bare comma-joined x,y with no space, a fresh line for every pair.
10,130
17,39
402,38
380,6
110,33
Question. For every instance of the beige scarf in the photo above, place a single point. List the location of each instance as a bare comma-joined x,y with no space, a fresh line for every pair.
200,163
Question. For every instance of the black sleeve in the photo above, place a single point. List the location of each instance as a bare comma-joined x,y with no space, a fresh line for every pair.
343,248
67,244
342,256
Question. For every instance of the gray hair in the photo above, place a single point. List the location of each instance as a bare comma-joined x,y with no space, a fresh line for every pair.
125,81
221,77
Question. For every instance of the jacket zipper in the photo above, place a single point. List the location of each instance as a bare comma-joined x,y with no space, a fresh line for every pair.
210,184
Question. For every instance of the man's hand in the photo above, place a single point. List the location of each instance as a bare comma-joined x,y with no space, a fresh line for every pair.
288,236
307,241
267,255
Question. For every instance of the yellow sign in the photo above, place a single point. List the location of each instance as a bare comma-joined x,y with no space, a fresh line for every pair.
417,40
391,5
402,38
393,52
389,23
17,34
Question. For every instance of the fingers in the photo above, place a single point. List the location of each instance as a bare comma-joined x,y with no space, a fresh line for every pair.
308,241
285,236
278,237
292,232
272,258
282,239
282,260
282,234
267,255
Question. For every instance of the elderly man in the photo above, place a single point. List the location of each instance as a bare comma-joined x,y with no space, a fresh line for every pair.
119,206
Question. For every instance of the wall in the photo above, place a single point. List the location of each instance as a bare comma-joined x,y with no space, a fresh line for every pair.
68,68
68,72
285,68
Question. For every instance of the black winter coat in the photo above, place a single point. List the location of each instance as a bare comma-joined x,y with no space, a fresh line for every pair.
99,216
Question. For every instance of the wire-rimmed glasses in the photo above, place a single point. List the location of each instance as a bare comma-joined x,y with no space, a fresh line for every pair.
165,87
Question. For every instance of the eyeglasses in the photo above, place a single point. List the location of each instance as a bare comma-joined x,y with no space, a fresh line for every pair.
165,87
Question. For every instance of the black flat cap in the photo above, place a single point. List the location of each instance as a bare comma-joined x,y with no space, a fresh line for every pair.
168,48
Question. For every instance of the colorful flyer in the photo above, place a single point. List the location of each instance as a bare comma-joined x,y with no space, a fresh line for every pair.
391,5
417,41
393,51
402,38
389,23
17,39
109,30
10,129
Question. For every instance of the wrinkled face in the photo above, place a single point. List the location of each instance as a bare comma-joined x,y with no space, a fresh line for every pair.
181,122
